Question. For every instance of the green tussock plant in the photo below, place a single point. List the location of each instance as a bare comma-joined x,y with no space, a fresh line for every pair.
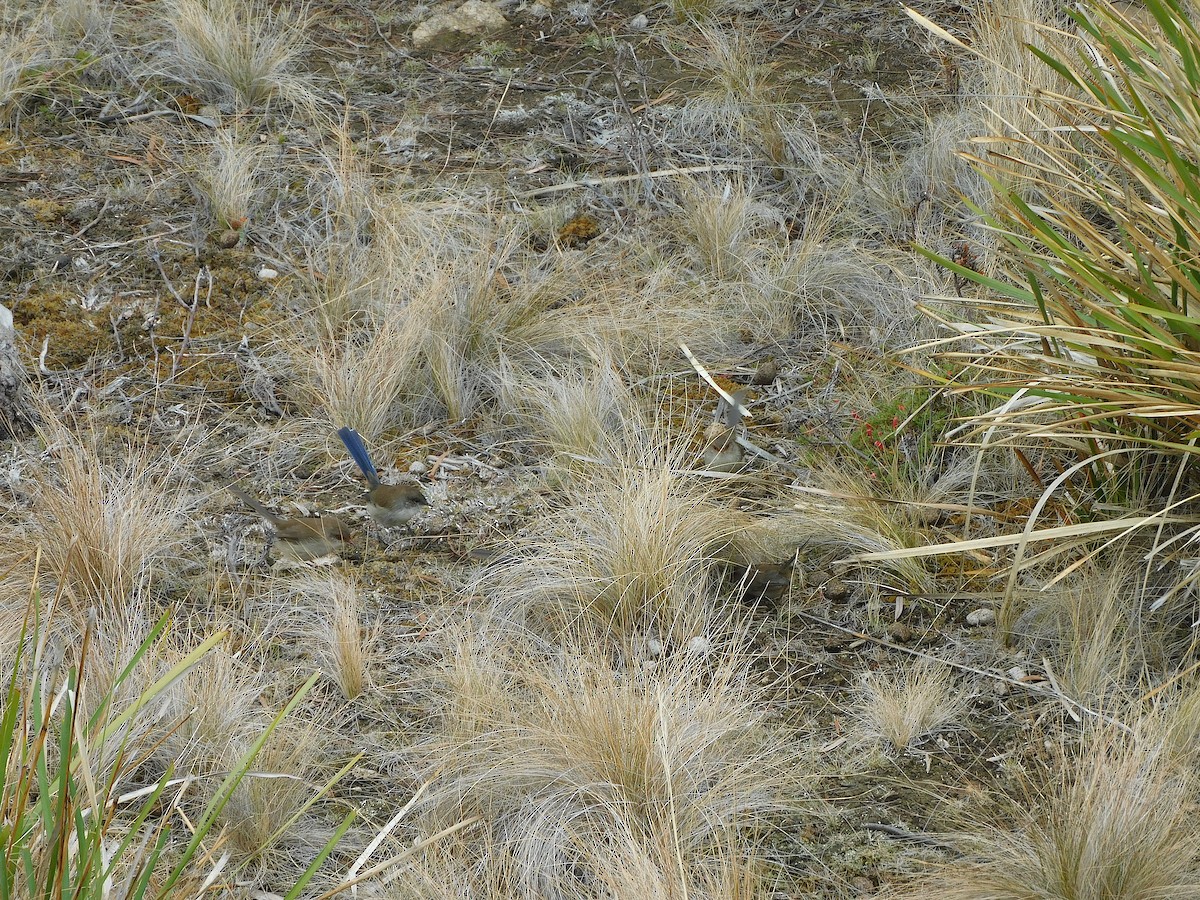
79,819
1089,328
1101,272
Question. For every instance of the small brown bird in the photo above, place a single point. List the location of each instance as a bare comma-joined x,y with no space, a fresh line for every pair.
390,505
766,373
300,538
722,452
765,581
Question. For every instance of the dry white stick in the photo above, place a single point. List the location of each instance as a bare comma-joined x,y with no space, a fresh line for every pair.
724,394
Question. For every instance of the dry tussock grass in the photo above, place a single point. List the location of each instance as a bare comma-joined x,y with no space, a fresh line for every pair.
242,53
907,706
109,524
229,175
631,548
583,773
1117,820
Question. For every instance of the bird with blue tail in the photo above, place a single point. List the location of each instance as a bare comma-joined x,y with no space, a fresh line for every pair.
391,505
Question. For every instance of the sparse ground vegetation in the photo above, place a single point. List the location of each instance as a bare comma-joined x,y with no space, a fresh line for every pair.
926,276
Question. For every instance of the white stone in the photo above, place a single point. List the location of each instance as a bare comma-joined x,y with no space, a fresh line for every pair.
640,22
266,273
473,17
977,618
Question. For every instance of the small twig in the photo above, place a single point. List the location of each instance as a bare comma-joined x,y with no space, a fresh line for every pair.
620,179
154,255
724,394
88,227
437,464
901,834
963,667
117,245
801,21
202,275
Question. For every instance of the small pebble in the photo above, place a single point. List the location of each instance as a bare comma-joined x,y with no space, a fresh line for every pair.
1016,673
654,647
640,22
228,239
267,274
417,468
900,633
977,618
699,646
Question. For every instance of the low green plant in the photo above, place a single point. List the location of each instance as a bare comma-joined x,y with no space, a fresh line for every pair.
1101,255
77,818
903,434
1088,335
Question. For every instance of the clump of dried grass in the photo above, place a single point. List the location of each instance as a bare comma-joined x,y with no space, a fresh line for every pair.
108,520
906,706
243,53
229,176
631,549
1117,820
584,773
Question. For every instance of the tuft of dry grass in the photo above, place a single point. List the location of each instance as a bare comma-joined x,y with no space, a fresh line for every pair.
582,771
24,46
229,177
1089,631
81,23
721,220
367,378
242,52
904,707
571,414
1116,821
218,704
740,89
264,810
632,548
344,643
108,522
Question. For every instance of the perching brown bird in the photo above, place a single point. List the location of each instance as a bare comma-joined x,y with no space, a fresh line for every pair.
300,538
390,505
722,452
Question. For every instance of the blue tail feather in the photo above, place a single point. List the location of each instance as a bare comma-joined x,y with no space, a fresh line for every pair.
358,452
